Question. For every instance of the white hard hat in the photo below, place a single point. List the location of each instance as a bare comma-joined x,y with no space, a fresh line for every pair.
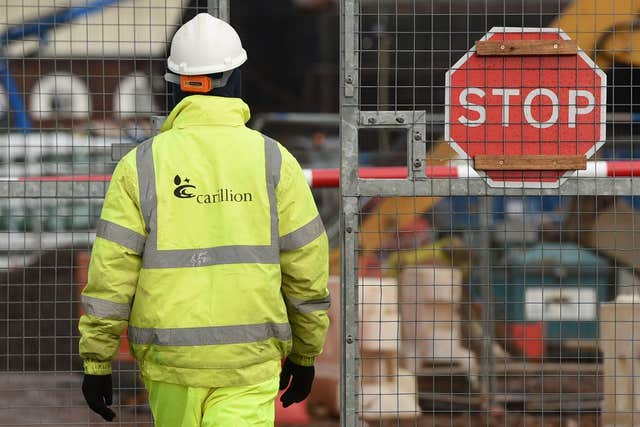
205,45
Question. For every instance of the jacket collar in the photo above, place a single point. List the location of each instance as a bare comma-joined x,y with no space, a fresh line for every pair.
206,110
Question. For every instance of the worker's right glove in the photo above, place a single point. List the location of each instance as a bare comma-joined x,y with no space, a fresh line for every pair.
98,391
301,381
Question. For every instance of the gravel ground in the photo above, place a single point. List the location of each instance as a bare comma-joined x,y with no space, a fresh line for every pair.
54,399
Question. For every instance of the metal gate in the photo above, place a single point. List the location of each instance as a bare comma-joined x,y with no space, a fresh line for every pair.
465,303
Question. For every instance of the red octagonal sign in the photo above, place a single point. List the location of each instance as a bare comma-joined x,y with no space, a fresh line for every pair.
533,105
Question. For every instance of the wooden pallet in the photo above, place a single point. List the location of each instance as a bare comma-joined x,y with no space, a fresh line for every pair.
522,386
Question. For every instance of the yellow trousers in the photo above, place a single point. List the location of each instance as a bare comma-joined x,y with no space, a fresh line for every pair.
174,405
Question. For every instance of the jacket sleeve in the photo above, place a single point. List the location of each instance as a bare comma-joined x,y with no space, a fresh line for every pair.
304,262
113,270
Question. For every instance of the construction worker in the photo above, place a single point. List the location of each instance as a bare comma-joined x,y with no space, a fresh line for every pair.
210,250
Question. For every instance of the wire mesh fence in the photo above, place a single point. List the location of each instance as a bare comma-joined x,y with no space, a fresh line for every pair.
78,79
461,300
483,283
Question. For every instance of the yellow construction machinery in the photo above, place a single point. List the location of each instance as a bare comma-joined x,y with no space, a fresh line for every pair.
607,30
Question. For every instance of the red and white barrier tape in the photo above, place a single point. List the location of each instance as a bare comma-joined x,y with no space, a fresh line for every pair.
330,178
323,178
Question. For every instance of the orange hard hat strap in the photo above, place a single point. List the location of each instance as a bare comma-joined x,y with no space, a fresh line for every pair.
198,84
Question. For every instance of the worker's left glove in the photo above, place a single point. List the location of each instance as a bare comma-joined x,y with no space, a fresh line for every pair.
301,378
98,392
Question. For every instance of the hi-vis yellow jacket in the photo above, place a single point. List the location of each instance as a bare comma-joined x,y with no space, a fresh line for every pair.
211,251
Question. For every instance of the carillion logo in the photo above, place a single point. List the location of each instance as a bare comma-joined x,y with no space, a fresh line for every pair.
185,190
181,190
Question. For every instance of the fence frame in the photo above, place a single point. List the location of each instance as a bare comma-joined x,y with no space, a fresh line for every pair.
353,188
219,8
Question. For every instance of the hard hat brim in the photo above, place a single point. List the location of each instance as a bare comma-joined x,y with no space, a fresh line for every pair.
185,70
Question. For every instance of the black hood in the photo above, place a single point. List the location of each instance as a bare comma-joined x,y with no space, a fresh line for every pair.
233,89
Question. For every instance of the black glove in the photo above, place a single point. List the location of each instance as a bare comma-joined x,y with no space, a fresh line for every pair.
301,380
98,391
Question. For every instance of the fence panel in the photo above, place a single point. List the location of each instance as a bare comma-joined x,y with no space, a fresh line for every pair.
475,289
79,84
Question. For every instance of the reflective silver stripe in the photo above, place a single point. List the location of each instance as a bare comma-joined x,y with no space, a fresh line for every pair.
120,235
102,308
273,159
305,307
210,256
273,162
211,335
154,258
303,235
147,182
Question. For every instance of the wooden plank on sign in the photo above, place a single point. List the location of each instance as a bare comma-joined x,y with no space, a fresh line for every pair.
529,162
526,47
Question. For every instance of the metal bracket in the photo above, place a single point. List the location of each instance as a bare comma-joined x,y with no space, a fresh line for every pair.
415,124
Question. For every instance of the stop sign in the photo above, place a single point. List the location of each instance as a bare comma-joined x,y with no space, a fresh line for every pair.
525,105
